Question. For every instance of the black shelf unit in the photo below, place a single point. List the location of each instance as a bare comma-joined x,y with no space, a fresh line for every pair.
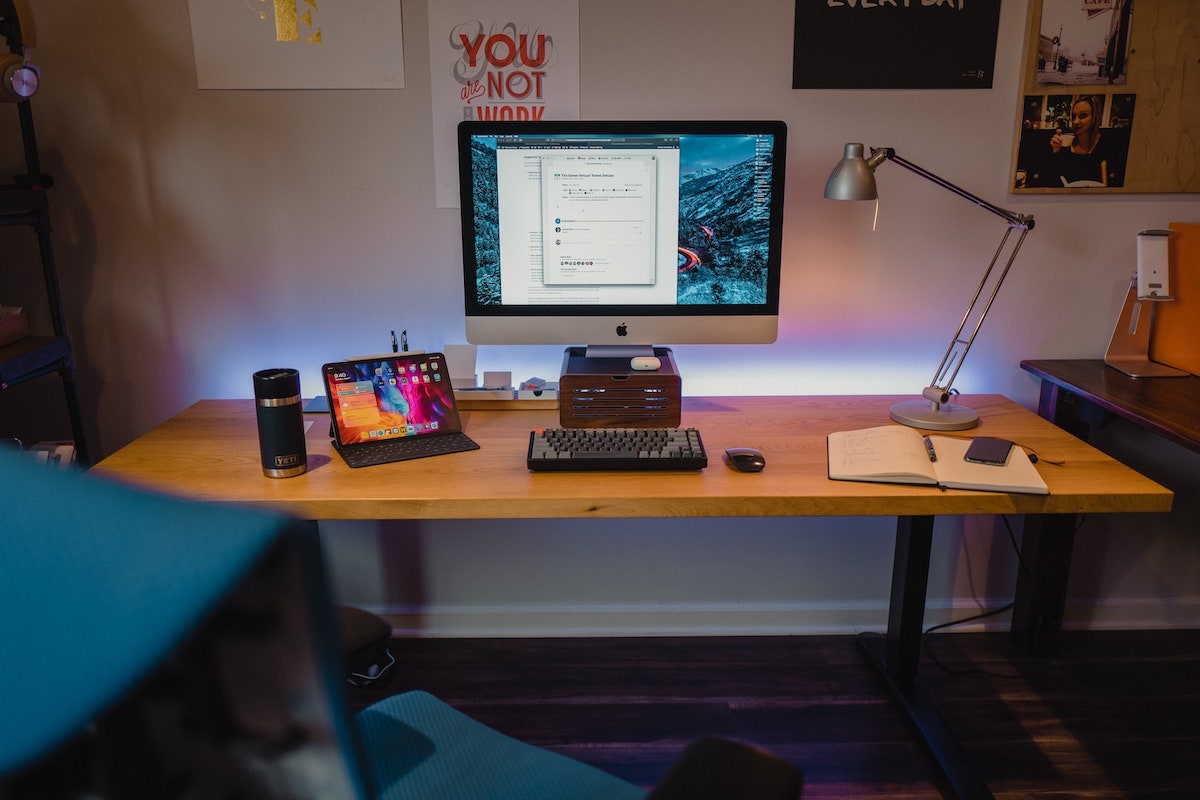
23,203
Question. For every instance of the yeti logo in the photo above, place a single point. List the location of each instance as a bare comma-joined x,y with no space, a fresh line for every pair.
622,330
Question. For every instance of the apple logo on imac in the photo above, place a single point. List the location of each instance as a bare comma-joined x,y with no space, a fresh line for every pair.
622,330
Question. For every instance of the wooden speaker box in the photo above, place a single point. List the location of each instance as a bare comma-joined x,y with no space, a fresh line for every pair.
608,393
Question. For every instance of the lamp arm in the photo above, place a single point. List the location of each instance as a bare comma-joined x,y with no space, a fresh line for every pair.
854,179
1024,221
938,390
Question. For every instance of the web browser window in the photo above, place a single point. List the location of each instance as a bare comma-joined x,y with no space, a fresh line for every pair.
588,220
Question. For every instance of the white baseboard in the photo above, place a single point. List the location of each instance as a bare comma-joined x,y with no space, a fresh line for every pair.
692,619
754,619
1133,613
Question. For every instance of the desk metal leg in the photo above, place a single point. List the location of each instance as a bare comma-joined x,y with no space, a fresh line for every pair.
896,656
1040,599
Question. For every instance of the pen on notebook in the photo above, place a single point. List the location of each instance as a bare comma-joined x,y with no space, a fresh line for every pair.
929,449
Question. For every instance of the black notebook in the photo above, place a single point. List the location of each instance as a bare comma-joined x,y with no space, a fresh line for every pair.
393,408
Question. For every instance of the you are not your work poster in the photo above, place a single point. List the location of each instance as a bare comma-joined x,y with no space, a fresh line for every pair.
895,44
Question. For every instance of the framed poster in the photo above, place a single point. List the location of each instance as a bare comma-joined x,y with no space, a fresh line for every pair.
895,44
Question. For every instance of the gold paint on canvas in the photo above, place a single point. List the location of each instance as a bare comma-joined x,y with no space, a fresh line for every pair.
286,22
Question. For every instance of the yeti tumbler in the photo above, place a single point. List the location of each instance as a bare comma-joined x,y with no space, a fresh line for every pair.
280,422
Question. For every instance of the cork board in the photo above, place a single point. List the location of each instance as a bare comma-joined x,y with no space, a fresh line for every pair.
1140,76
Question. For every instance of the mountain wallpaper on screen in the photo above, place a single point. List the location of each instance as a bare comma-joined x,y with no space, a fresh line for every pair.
723,223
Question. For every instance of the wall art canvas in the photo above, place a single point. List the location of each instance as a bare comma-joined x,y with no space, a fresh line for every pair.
1074,141
298,44
498,59
1083,41
1088,61
895,44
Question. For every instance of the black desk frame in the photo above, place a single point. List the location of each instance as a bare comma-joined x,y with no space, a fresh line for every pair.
1077,395
895,657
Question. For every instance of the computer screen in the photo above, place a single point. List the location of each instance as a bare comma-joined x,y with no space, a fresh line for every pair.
621,233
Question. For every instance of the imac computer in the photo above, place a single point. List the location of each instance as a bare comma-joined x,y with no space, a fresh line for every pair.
620,236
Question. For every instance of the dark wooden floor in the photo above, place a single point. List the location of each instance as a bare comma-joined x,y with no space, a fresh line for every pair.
1116,715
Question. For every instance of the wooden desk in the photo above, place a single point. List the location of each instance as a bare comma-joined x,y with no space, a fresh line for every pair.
1075,395
1168,407
210,452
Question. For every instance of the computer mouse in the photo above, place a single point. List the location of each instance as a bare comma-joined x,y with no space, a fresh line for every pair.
745,459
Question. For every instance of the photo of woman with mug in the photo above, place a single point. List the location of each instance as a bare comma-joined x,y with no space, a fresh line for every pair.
1074,148
1080,154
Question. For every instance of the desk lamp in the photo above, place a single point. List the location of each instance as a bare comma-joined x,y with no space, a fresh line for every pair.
854,179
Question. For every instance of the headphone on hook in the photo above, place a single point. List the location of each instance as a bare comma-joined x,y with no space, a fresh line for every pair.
19,78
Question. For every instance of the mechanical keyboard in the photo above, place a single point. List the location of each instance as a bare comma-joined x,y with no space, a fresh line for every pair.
616,449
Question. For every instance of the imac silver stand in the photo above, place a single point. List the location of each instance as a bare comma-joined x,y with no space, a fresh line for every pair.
1129,348
618,350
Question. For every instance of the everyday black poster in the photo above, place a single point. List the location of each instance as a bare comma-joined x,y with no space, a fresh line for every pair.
895,44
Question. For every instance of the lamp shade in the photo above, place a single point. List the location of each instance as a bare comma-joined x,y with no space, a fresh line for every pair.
853,178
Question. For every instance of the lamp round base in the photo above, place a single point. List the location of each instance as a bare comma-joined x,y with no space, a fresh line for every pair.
934,417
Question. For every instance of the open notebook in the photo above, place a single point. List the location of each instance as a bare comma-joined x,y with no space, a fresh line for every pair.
393,408
898,454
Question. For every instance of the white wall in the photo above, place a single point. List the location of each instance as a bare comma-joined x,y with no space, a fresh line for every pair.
204,235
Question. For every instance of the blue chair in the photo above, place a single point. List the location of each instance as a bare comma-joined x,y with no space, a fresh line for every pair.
156,647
